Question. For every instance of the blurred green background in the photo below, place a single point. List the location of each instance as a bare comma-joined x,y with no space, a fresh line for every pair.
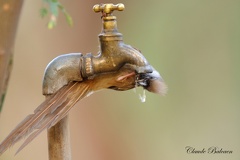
194,44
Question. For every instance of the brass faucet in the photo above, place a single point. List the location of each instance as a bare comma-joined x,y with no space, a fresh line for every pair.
71,77
114,53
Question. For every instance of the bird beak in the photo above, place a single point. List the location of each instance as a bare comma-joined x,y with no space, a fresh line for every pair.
153,82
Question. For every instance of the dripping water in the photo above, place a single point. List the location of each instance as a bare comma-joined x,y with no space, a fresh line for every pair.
143,96
141,93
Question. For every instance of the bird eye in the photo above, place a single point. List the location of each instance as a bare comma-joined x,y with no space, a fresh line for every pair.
142,80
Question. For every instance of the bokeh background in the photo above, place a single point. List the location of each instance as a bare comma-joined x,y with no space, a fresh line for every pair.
195,44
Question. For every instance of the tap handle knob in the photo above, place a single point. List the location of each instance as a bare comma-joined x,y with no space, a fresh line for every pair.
108,8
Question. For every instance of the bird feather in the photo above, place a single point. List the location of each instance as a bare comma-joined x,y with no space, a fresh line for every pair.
52,110
56,106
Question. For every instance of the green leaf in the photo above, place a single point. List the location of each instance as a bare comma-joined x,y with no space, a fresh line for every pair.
54,8
43,12
51,24
69,19
60,6
67,16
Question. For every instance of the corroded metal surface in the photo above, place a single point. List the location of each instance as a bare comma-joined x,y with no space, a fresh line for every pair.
60,71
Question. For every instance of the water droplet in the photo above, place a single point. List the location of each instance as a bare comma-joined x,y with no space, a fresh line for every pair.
141,93
143,96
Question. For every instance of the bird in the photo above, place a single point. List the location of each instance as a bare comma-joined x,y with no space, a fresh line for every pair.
57,106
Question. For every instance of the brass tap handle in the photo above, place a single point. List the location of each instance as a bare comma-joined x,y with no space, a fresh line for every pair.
108,8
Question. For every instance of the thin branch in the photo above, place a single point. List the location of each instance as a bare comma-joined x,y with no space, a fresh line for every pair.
9,15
